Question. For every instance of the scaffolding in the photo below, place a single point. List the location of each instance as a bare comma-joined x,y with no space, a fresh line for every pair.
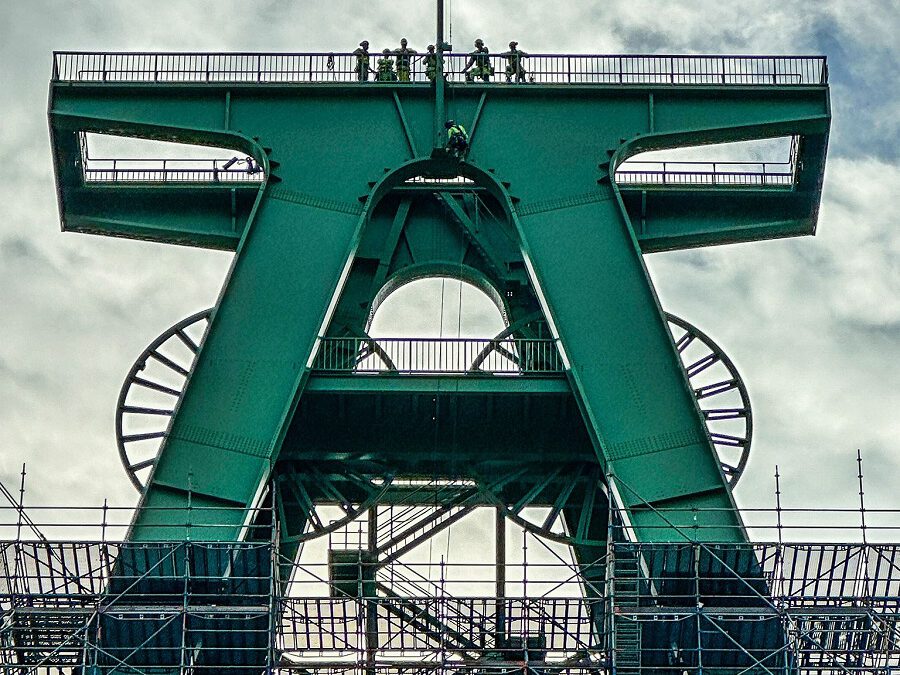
371,606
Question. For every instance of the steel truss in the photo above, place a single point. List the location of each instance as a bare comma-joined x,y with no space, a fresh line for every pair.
377,606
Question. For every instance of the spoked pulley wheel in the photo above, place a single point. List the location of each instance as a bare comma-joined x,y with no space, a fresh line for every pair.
149,394
528,336
324,496
566,502
721,394
717,386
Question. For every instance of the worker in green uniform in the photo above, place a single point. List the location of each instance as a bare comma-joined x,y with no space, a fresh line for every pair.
404,56
514,67
386,68
479,63
362,61
430,64
457,140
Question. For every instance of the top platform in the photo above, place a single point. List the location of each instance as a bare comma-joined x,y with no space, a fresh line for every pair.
331,68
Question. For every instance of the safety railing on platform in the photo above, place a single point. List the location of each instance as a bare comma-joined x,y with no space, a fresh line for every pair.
632,172
789,525
725,174
323,67
213,607
779,608
428,356
212,171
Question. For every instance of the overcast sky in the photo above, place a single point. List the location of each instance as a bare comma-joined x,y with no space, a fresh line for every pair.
813,324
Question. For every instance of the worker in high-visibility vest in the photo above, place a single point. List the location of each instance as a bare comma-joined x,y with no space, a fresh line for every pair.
514,67
404,57
385,68
430,62
479,64
457,140
362,61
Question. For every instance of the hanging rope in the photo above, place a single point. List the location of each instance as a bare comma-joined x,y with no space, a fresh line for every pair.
441,321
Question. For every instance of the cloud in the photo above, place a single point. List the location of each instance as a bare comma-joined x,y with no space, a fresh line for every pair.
811,323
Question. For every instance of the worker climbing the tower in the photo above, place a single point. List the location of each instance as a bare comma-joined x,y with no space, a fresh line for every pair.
386,71
362,61
479,63
457,140
514,67
430,61
404,57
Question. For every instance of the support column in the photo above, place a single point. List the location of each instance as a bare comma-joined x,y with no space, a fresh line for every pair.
500,561
229,425
624,369
370,602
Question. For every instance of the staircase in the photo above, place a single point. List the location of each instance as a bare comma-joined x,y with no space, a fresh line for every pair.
626,581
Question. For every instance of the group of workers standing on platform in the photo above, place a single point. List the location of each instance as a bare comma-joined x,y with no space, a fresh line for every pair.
396,65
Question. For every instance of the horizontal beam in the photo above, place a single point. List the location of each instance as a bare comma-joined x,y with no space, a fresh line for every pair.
329,67
388,384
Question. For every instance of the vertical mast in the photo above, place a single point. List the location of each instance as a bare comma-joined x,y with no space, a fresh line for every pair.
439,108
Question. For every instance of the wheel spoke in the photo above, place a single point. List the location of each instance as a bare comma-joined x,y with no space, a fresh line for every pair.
723,421
724,413
188,342
142,465
715,389
700,365
130,438
142,382
139,410
684,342
169,363
726,439
571,489
139,403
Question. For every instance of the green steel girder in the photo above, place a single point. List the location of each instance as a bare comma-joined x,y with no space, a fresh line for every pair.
668,121
410,236
341,150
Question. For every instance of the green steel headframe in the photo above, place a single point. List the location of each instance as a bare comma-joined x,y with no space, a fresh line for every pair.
356,195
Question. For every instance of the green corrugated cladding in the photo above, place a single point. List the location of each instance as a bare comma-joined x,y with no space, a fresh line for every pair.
543,151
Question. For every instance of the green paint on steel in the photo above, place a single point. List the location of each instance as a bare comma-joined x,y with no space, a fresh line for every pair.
336,220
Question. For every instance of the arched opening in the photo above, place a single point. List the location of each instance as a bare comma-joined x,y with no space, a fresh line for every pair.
437,307
437,324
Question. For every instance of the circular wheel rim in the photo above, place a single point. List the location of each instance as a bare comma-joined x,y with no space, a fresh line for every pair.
577,486
138,459
708,387
717,419
322,480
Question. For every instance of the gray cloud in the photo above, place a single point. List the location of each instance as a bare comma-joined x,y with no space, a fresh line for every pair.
812,323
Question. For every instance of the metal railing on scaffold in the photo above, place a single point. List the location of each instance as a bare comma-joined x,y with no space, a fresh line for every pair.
333,67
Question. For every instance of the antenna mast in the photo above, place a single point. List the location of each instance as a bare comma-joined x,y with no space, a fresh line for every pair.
441,45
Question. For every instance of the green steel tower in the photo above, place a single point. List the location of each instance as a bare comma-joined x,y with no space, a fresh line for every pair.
590,421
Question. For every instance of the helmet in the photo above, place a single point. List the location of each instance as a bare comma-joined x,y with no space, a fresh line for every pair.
513,44
479,42
386,52
430,47
449,124
364,44
403,41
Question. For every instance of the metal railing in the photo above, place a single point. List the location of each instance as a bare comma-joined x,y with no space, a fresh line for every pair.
324,67
170,171
450,356
632,172
668,173
777,608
